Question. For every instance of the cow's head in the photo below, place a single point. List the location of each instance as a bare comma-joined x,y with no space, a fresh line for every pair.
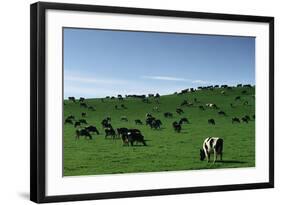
202,154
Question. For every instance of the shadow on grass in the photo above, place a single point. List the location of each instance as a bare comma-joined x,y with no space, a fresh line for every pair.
231,161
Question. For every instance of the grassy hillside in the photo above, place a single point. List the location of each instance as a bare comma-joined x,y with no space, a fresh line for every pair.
166,150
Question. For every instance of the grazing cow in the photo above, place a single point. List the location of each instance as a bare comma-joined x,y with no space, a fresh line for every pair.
72,99
244,92
109,132
147,115
211,145
177,127
83,114
211,105
70,117
81,99
92,129
222,113
179,111
123,106
122,131
239,85
104,123
149,121
156,124
68,121
201,107
138,122
132,137
168,114
244,119
238,98
83,121
83,132
211,122
124,118
235,119
83,105
77,124
184,120
247,117
246,103
91,108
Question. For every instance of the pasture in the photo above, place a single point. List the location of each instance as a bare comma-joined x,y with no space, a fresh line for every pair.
166,149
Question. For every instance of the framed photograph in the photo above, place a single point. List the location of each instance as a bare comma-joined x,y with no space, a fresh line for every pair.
129,102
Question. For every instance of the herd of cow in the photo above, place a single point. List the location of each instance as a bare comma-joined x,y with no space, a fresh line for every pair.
134,136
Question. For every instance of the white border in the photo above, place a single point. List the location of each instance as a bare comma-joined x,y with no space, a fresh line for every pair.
58,185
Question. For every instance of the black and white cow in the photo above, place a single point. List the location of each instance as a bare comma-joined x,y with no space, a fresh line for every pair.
211,145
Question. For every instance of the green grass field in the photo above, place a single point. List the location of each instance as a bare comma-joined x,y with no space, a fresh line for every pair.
166,150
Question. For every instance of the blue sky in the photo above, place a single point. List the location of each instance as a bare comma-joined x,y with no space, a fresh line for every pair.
98,63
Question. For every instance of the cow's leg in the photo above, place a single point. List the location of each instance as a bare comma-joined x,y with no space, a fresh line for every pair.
215,156
221,156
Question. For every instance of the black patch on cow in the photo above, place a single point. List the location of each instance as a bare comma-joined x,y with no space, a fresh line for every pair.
211,142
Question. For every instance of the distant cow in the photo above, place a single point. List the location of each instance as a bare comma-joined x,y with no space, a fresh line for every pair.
179,111
168,114
123,106
211,145
147,115
133,137
83,132
92,129
84,105
235,119
156,124
71,117
122,131
91,108
83,114
184,120
211,105
110,132
222,113
68,121
77,124
72,99
201,107
245,119
124,118
81,99
138,122
177,127
238,98
83,121
211,121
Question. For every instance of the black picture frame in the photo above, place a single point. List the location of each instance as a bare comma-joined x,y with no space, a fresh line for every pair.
38,101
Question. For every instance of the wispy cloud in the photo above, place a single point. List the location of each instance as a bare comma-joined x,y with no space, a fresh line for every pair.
202,82
92,80
172,78
168,78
